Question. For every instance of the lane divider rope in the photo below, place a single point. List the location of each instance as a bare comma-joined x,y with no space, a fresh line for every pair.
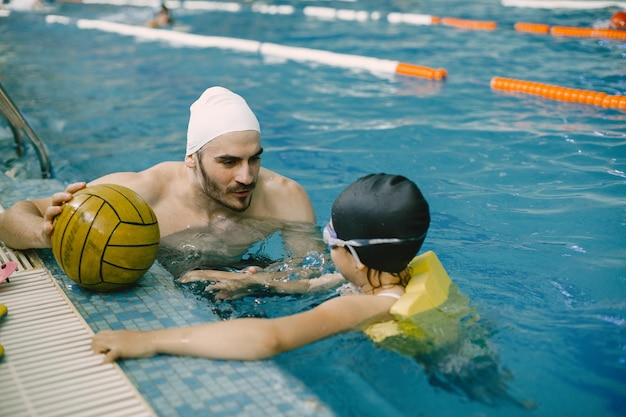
555,92
532,27
374,65
563,4
325,13
468,24
328,13
588,32
569,31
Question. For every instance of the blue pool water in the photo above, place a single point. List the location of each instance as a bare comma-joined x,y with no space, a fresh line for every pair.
528,195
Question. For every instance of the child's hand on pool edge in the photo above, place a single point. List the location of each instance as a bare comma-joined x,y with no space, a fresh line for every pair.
116,344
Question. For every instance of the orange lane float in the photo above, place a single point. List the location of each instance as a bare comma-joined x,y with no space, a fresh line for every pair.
588,32
570,31
532,27
468,24
420,71
554,92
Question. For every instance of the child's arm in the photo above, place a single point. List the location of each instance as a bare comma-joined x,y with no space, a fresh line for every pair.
246,338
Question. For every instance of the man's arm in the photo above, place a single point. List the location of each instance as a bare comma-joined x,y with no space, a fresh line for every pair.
233,285
146,183
291,204
297,204
29,224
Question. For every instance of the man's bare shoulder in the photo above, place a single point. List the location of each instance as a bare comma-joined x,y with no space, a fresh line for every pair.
150,183
153,173
163,168
283,198
279,185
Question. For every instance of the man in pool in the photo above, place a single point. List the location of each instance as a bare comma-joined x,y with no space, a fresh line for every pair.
219,189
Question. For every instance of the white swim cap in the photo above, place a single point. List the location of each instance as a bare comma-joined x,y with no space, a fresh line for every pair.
218,111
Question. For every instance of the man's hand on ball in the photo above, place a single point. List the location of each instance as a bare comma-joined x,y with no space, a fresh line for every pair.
58,199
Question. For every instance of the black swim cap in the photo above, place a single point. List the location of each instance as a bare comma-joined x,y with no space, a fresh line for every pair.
383,206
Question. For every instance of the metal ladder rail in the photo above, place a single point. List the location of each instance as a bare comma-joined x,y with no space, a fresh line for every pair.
18,123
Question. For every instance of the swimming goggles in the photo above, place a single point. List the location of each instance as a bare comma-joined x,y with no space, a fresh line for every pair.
330,238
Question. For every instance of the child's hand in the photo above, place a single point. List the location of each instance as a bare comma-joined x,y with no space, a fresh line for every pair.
122,344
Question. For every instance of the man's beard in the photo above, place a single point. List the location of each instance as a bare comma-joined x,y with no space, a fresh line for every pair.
219,194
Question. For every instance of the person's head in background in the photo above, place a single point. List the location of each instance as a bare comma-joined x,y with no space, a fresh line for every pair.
618,20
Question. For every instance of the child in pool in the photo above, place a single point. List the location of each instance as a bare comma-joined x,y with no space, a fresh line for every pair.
378,225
